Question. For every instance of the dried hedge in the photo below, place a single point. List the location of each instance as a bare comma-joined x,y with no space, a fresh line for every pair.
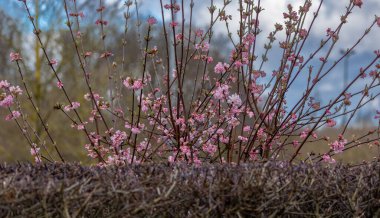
260,190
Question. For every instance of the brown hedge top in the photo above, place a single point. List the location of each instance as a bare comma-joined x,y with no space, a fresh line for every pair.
260,190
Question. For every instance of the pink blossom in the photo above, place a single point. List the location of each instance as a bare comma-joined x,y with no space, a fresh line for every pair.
185,150
7,101
295,143
143,146
221,92
224,139
118,137
363,75
199,117
13,115
179,37
72,106
15,90
80,14
87,54
255,23
130,83
256,89
151,21
303,33
145,105
101,22
314,135
242,138
220,68
4,84
249,39
338,145
180,121
234,100
59,84
247,128
138,84
106,54
332,34
37,159
209,148
34,151
79,34
304,133
330,122
135,130
53,62
358,3
220,131
175,7
373,73
328,112
173,24
204,46
328,159
253,155
199,33
167,6
100,9
261,133
171,159
238,64
15,56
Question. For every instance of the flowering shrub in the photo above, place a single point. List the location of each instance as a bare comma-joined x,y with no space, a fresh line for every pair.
233,112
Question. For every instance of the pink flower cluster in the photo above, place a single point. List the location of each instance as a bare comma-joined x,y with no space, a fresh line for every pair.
135,84
151,21
328,159
8,93
338,145
117,138
358,3
204,46
15,56
330,122
175,7
101,22
221,68
35,152
8,97
74,105
13,115
6,101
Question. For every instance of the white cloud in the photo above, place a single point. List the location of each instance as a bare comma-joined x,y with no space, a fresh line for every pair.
375,104
328,87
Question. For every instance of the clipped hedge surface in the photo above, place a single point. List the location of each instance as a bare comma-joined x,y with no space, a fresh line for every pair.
259,190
